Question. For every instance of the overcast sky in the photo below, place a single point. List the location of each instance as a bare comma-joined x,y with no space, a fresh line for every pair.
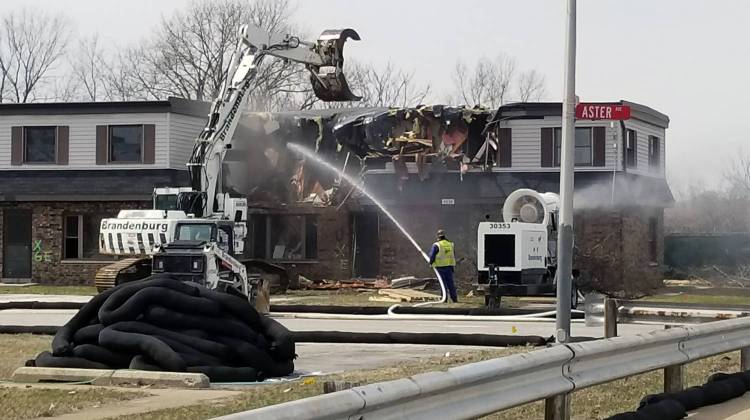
689,59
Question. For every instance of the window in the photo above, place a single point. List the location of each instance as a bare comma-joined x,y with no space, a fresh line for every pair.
654,157
583,146
40,144
126,143
285,237
653,239
195,232
631,149
81,237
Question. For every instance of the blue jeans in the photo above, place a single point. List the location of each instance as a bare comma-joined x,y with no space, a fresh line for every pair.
446,273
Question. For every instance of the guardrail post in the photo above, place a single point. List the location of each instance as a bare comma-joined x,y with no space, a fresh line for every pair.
610,317
745,359
557,407
674,376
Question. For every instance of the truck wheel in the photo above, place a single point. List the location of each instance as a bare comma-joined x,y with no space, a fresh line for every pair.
492,302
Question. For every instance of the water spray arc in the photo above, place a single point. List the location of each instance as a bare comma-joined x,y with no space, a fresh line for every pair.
308,153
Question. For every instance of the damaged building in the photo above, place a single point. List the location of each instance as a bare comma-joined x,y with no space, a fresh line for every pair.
447,167
67,166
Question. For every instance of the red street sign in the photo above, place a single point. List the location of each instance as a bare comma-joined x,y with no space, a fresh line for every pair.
602,112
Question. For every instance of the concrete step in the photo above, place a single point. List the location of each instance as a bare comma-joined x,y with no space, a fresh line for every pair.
105,377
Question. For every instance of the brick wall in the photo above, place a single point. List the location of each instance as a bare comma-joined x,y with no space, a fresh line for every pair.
47,263
398,257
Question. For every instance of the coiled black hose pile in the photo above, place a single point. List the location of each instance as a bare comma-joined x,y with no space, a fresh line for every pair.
161,323
719,388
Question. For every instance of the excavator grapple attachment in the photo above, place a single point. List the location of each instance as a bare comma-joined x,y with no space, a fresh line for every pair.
328,80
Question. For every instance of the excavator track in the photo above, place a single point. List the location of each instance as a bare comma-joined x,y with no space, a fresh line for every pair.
127,269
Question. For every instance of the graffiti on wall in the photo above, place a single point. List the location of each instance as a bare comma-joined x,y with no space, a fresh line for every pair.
39,254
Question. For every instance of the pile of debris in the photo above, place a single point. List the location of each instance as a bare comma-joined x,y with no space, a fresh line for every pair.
351,284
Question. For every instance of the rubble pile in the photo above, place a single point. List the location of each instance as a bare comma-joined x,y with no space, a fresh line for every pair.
161,323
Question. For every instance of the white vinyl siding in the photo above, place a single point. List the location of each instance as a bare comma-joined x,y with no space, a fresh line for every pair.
644,130
183,130
82,138
527,144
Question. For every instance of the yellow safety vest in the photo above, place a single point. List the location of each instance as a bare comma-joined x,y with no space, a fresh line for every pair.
444,256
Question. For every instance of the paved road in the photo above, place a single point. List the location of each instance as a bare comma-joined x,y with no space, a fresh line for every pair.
326,358
374,324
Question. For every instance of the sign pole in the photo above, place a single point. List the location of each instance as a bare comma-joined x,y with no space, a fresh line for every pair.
558,407
564,272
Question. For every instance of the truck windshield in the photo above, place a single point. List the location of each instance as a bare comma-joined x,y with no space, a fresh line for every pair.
194,232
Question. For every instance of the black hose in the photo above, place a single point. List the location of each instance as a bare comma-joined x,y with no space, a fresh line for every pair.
486,340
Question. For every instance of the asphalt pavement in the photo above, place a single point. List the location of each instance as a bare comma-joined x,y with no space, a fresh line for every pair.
335,357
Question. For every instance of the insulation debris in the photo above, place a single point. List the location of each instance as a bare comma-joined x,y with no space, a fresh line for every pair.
419,140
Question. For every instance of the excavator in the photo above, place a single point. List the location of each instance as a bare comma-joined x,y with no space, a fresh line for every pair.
197,233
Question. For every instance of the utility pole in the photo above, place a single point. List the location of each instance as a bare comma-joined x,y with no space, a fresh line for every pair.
567,162
558,407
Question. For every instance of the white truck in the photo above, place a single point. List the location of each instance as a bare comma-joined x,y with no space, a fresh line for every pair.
518,256
198,232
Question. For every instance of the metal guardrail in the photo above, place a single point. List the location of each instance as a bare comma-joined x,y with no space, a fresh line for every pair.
486,387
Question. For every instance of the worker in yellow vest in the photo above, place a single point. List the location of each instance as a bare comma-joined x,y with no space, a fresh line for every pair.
443,260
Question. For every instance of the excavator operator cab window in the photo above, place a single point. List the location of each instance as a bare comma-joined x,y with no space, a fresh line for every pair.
195,232
165,202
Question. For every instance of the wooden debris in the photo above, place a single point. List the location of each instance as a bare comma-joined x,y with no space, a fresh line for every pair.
408,295
348,284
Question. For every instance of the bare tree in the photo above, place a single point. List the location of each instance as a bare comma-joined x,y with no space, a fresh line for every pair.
487,83
187,56
491,83
381,87
88,69
738,175
530,86
32,43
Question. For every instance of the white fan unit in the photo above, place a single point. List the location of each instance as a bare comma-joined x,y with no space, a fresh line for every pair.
528,206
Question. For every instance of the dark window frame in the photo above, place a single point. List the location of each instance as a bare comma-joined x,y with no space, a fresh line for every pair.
81,239
557,146
140,161
78,237
310,224
24,135
654,152
653,239
631,148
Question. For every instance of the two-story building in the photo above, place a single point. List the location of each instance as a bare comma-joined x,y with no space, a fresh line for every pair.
65,166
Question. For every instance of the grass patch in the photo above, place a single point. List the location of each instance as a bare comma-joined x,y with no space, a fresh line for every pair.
48,290
591,403
16,349
27,403
264,395
698,299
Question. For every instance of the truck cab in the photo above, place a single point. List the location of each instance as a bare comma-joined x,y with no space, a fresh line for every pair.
202,252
